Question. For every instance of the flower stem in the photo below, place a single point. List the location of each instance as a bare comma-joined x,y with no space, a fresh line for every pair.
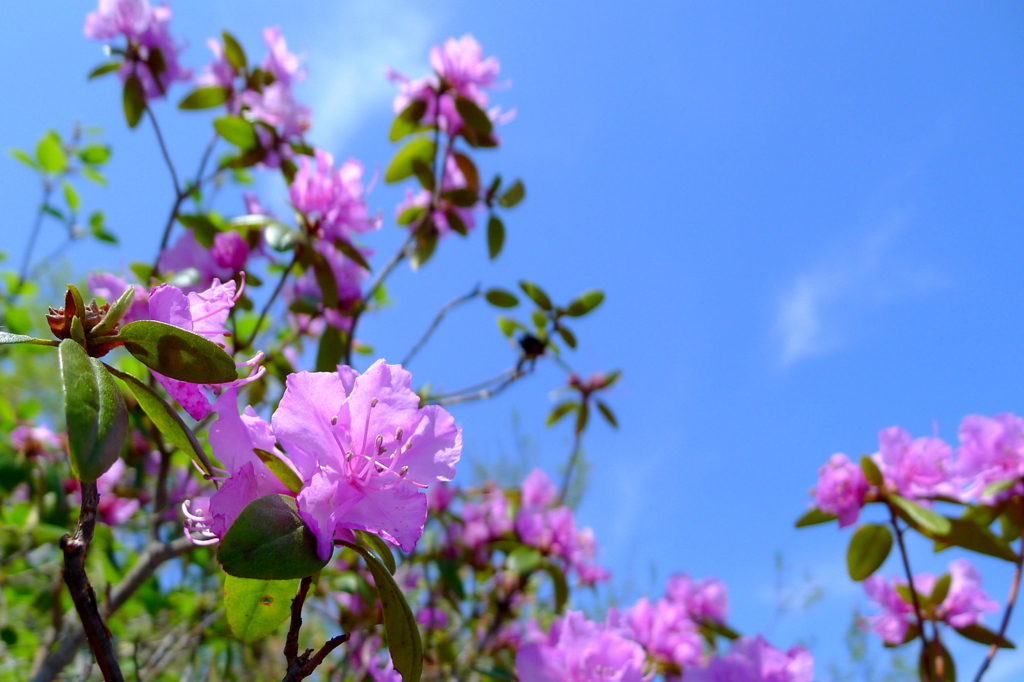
1010,601
928,677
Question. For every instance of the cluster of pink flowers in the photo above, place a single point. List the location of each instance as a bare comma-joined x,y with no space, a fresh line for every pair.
268,99
225,258
752,659
459,71
146,30
361,445
36,441
924,469
445,213
964,605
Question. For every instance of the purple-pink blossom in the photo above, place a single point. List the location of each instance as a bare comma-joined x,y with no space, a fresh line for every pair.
752,659
331,201
991,449
666,631
966,601
578,650
348,278
704,599
894,620
225,258
35,441
113,509
841,489
445,214
112,287
146,30
917,468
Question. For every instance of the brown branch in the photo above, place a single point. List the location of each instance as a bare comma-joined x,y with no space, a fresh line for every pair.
1010,601
304,665
437,321
75,548
913,594
291,643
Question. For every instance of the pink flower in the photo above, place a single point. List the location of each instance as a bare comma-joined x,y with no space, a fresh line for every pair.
460,62
752,659
446,213
432,617
991,449
112,287
918,468
705,599
666,631
35,440
364,449
219,72
146,30
484,521
279,62
348,276
113,509
894,620
440,497
331,201
966,601
578,650
841,489
204,313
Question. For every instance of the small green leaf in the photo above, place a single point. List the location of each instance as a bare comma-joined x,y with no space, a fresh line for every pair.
165,418
501,298
330,351
463,198
495,236
941,589
7,338
281,237
585,303
982,635
523,560
508,326
425,246
269,541
50,154
567,336
421,149
921,519
536,294
95,176
114,313
205,98
872,472
450,575
233,51
94,154
203,229
813,517
237,131
408,120
976,538
455,222
104,69
374,542
255,608
868,550
22,155
352,253
133,101
560,411
177,353
97,420
993,489
403,633
609,416
71,197
325,280
469,170
282,471
513,195
409,215
473,116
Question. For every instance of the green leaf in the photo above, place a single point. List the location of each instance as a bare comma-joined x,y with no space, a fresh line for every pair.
941,589
71,197
374,542
513,195
868,550
582,417
469,170
409,215
561,585
932,652
177,353
501,298
97,420
606,411
205,98
114,313
255,608
450,575
421,149
424,249
567,336
280,237
872,472
325,279
237,131
352,253
233,51
94,154
269,541
982,635
95,176
495,236
408,120
560,411
7,338
508,326
399,623
463,198
921,519
536,294
50,154
813,517
133,100
523,560
202,228
104,69
165,418
22,155
976,538
331,350
455,222
473,116
282,471
585,303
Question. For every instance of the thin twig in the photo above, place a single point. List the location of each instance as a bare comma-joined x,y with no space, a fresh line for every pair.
437,321
577,448
163,150
303,666
402,253
1010,601
483,394
75,548
26,261
291,643
913,594
270,302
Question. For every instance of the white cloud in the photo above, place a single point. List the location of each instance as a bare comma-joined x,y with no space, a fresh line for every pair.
816,312
357,43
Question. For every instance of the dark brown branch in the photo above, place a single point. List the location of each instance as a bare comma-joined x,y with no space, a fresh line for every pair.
507,379
304,665
437,321
1010,601
291,643
75,548
926,657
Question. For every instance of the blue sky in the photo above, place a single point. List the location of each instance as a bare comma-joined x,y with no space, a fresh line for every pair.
806,216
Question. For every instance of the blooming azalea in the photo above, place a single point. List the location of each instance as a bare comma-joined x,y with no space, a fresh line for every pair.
578,650
917,468
991,449
752,659
841,489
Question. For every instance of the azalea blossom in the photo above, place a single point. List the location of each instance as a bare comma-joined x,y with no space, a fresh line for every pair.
331,201
224,259
704,599
666,631
112,287
445,214
841,489
112,509
578,650
991,449
146,30
917,468
752,659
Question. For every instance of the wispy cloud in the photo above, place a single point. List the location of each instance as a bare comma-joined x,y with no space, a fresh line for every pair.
817,311
359,40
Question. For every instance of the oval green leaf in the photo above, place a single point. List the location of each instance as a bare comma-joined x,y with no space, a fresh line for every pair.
585,303
536,294
473,116
421,149
813,518
255,608
237,131
923,520
871,471
868,550
133,100
495,236
513,195
205,98
377,544
269,541
177,353
408,120
284,473
501,298
50,154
